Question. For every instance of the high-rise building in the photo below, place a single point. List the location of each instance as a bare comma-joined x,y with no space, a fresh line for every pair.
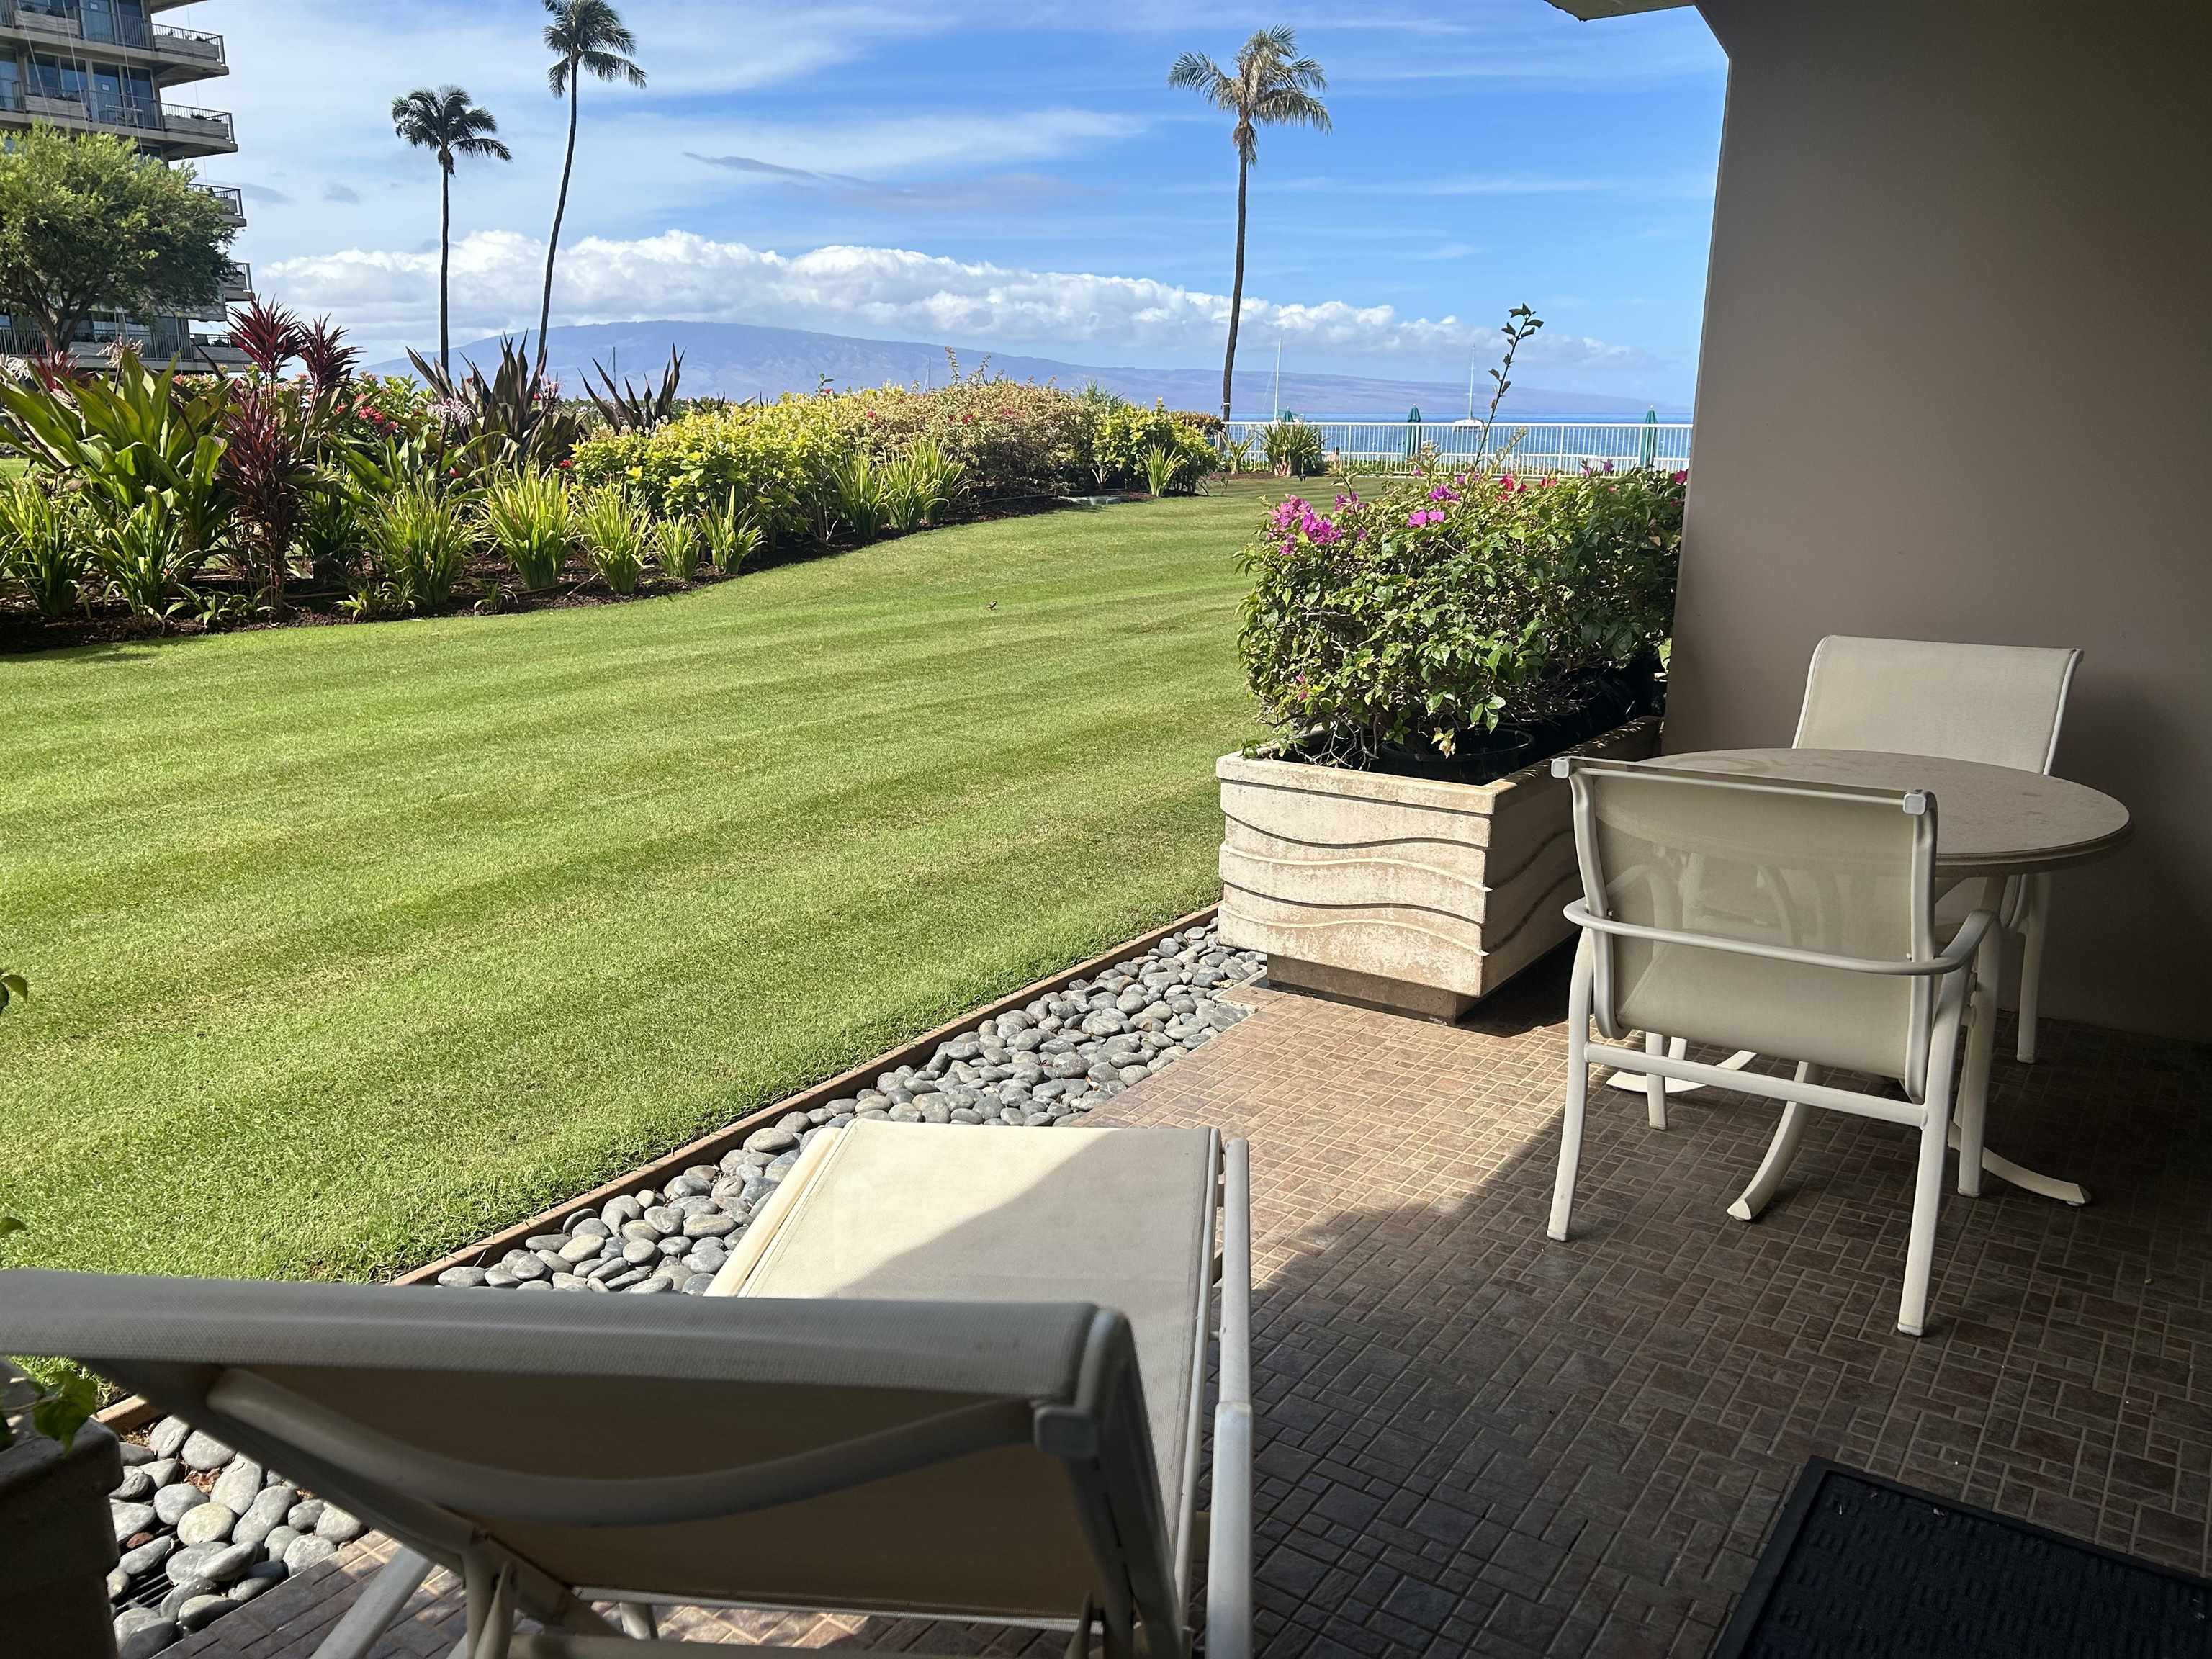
107,66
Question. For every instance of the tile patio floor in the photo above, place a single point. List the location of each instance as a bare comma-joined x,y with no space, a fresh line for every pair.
1473,1440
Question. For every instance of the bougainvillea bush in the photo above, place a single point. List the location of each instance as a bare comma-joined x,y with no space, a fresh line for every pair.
1417,622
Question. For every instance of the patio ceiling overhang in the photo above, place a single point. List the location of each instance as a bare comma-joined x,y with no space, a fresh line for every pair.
1591,10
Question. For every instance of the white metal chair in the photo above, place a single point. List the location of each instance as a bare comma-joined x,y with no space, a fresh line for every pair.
844,1450
1795,920
1999,704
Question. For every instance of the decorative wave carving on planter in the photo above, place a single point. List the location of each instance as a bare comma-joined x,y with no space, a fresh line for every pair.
1416,894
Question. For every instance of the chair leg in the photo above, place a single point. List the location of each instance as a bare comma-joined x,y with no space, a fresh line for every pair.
2032,927
1780,1153
376,1608
1571,1124
1927,1199
1980,1041
1655,1085
1950,1037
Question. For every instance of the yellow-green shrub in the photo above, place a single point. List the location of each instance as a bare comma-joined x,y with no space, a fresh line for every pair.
786,460
1123,436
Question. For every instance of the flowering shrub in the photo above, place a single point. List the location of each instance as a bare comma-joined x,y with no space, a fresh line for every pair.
1011,437
1434,610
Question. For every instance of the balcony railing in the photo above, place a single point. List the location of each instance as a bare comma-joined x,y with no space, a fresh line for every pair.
230,195
238,286
112,30
103,109
188,43
187,122
34,19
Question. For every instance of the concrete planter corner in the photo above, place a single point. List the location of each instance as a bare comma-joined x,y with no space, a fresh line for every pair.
57,1544
1410,894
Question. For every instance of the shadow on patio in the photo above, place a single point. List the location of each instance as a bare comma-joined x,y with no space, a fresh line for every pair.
1474,1440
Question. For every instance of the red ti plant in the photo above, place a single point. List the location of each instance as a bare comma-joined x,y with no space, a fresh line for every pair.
53,366
327,359
270,336
274,433
268,465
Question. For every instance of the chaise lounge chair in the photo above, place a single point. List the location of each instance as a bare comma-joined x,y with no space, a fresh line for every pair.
958,1374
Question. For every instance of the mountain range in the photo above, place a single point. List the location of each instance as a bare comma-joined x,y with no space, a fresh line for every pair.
738,360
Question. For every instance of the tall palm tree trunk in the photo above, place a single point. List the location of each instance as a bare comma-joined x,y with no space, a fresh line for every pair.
1235,293
559,212
444,264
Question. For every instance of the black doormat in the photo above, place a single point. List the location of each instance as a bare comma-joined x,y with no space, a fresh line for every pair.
1860,1567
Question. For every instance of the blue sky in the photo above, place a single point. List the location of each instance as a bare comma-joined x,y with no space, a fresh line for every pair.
1016,174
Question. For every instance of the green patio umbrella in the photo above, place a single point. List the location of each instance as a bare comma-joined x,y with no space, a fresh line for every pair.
1648,455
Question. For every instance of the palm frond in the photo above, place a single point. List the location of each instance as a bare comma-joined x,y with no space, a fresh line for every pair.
1289,107
1196,72
588,35
1270,86
613,66
444,120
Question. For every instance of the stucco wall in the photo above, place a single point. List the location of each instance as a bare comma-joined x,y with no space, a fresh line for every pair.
1957,384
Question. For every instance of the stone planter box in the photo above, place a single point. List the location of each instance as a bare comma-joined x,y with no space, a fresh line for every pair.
58,1543
1410,894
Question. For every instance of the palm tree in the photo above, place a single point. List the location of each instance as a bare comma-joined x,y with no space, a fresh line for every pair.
1269,86
445,121
584,34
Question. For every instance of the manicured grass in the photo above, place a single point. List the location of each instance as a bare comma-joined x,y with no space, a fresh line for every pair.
349,943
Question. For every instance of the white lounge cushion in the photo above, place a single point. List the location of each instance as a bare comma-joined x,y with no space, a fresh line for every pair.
962,1213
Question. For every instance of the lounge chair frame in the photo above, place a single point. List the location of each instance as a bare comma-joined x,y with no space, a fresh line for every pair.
198,1347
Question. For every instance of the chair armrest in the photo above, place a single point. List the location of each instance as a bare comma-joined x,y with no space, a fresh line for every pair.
1579,914
1228,1541
1968,940
1229,1537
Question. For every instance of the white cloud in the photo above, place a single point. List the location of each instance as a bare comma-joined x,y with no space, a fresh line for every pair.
389,296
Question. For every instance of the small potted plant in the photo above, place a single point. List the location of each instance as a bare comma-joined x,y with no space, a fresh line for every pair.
56,1532
1423,652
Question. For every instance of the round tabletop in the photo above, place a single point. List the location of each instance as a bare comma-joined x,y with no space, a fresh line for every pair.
1990,820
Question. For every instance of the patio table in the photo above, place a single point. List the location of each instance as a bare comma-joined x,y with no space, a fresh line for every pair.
1992,823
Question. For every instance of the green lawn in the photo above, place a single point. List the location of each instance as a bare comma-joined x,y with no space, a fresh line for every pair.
349,943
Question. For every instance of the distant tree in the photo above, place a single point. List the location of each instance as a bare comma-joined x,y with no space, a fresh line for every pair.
1269,85
90,224
443,121
585,37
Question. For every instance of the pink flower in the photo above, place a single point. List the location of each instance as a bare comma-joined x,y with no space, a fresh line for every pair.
1683,477
1427,515
1443,492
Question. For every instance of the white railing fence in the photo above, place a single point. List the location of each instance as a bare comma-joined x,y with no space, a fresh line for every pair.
1532,446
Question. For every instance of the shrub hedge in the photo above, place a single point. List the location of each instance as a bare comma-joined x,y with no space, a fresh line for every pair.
183,498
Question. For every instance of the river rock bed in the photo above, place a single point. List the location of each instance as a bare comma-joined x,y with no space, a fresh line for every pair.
1052,1062
203,1530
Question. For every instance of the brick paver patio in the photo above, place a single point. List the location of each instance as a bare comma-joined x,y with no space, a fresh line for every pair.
1473,1440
